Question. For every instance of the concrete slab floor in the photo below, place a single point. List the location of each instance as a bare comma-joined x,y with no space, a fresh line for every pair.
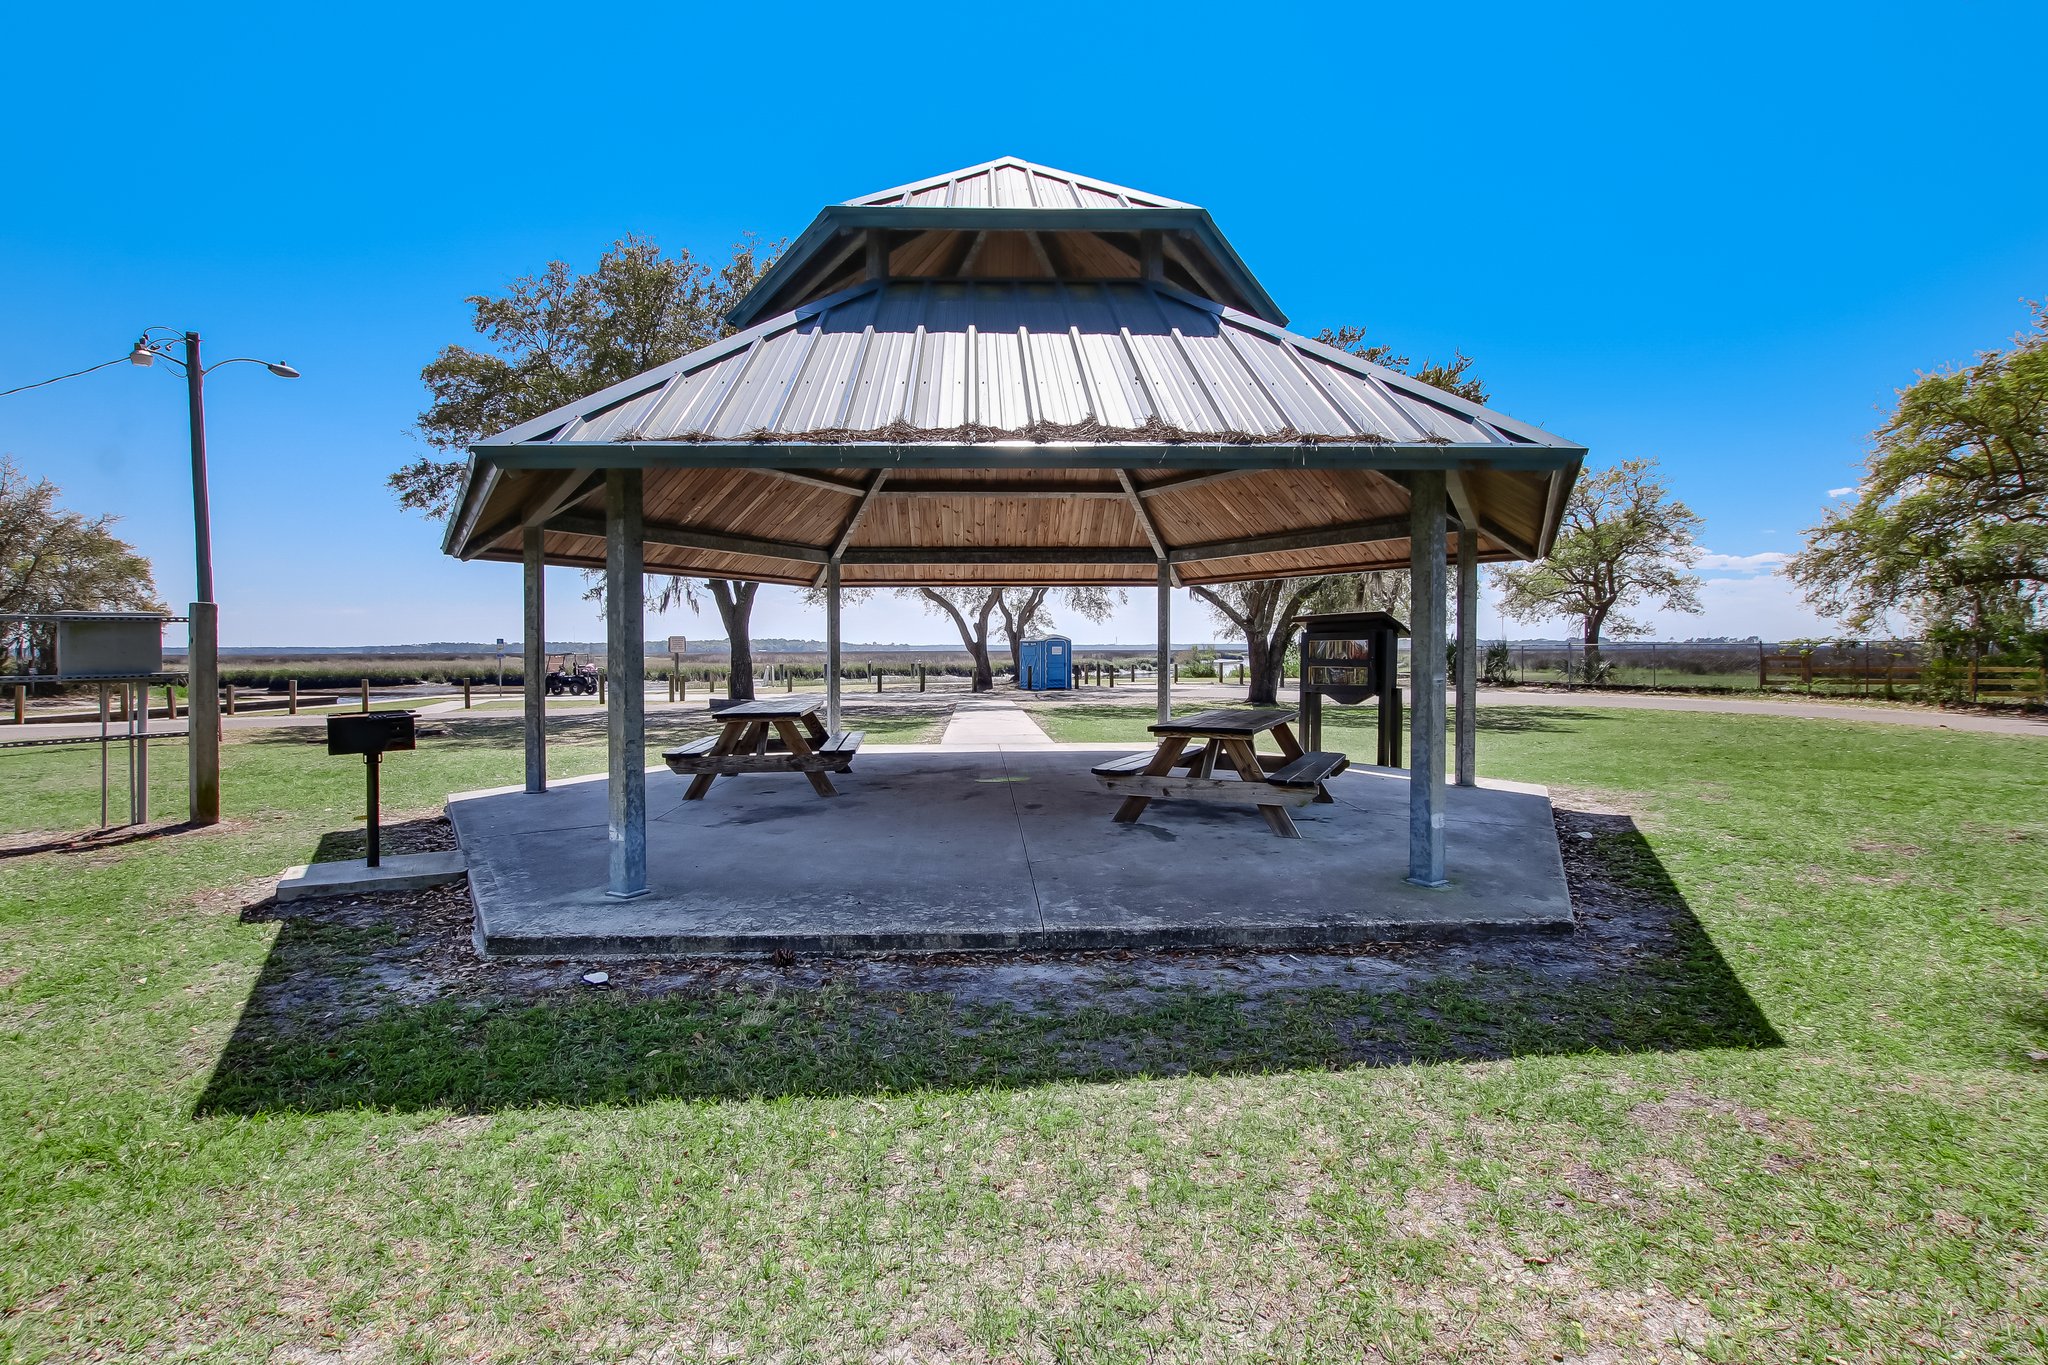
949,849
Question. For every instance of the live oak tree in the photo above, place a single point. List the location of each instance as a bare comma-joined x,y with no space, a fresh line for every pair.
1451,376
1625,542
1024,611
57,560
1263,611
558,336
1950,519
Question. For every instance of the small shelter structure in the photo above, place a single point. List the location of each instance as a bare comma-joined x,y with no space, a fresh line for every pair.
1048,664
1009,374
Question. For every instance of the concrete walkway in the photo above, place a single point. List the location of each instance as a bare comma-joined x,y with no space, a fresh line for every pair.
990,721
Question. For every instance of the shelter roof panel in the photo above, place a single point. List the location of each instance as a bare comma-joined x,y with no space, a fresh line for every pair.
1012,182
954,384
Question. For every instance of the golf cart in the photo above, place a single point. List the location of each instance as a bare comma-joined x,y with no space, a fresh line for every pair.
571,674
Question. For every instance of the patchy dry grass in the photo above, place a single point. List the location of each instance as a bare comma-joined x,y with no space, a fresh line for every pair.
1747,1112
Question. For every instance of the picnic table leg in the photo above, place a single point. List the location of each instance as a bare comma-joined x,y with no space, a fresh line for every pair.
1245,759
1290,747
793,739
817,731
701,783
1160,766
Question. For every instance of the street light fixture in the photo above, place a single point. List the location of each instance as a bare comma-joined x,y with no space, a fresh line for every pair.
203,652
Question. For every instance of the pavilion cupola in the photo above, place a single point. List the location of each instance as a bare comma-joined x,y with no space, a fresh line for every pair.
1009,219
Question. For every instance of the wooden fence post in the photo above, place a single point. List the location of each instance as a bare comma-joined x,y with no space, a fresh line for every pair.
920,677
366,694
878,680
21,702
1973,674
600,689
170,701
231,698
291,696
465,694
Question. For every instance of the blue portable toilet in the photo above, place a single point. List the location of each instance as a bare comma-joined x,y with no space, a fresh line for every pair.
1048,664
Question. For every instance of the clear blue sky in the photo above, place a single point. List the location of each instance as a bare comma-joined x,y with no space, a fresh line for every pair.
1720,237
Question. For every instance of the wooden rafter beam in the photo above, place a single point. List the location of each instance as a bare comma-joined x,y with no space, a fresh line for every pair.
556,492
689,538
852,523
1037,240
1177,482
1153,534
998,490
1352,533
1471,517
1035,555
828,482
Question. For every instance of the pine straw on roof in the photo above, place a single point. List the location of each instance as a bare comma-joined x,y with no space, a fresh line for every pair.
1151,431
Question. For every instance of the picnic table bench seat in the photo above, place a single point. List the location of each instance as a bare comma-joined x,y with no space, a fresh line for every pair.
1310,770
690,750
843,745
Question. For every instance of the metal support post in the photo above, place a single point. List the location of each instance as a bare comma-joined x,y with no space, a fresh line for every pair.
832,647
374,848
1426,549
1163,659
625,658
1468,658
534,689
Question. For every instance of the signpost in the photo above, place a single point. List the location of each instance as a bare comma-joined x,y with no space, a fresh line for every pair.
501,665
678,646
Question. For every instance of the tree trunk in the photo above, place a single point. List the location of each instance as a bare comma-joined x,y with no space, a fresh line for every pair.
1261,671
1591,638
1017,624
736,609
975,637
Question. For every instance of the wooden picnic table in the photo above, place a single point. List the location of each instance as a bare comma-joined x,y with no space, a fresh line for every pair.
744,745
1272,783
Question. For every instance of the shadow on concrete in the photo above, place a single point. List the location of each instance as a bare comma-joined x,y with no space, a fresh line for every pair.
380,1002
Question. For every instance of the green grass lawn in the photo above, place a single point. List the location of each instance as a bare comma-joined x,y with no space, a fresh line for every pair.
1774,1102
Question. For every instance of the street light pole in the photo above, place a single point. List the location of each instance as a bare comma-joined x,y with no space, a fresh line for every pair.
202,707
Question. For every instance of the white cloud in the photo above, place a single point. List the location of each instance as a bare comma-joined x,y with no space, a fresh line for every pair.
1766,561
1841,492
